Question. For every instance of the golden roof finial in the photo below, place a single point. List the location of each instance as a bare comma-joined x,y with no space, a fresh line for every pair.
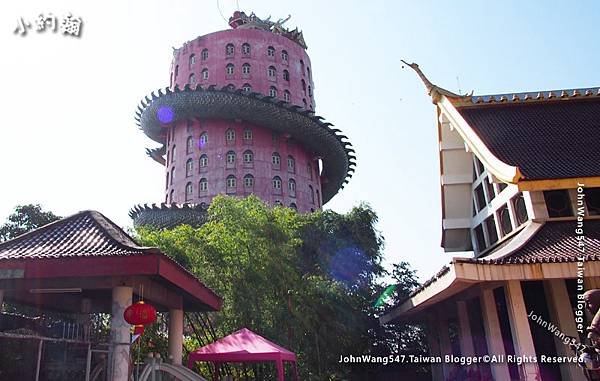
432,90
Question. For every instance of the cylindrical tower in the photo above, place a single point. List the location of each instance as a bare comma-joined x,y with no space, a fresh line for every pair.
238,118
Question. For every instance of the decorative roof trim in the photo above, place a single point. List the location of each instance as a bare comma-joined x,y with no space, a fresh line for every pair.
539,185
501,170
434,91
532,96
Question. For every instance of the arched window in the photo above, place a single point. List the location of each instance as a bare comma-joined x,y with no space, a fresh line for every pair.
291,163
230,157
318,199
173,151
231,87
311,194
284,55
248,157
205,74
271,72
278,203
189,146
286,75
276,182
302,67
309,170
248,181
273,91
246,69
229,50
309,91
203,185
286,96
176,71
167,183
203,161
203,139
303,85
247,134
294,206
271,51
308,71
246,49
189,191
192,60
229,69
172,175
171,195
292,187
230,135
189,168
304,103
247,88
204,54
276,159
192,79
231,183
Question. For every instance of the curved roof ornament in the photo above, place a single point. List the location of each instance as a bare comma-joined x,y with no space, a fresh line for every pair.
434,91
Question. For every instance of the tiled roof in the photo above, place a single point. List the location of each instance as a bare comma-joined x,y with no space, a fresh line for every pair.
556,241
545,140
87,233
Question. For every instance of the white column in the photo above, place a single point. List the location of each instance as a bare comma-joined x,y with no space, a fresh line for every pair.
563,317
176,336
119,334
493,334
521,334
465,337
437,373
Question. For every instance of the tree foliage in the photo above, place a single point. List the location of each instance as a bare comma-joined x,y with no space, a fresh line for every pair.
308,282
25,218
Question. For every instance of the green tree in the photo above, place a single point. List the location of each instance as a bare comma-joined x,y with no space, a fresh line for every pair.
25,218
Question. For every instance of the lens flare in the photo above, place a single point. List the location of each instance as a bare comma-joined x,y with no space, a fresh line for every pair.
348,265
165,114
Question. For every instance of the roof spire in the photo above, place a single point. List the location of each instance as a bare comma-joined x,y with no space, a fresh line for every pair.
432,90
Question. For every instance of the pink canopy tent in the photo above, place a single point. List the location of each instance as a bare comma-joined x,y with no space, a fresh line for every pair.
244,346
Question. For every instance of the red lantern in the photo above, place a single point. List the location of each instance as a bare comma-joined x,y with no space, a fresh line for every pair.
139,315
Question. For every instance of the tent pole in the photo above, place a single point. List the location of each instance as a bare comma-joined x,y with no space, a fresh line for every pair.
280,370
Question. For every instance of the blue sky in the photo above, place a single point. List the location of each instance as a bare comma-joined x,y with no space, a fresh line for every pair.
69,140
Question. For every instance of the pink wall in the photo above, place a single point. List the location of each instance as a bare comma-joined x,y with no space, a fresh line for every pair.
259,41
216,172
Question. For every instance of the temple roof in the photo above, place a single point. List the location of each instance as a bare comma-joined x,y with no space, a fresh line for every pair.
544,139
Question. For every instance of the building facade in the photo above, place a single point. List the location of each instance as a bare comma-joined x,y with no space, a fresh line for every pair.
520,184
238,118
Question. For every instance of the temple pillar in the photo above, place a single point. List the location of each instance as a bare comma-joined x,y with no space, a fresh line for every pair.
465,337
437,373
493,334
176,336
120,340
521,333
562,315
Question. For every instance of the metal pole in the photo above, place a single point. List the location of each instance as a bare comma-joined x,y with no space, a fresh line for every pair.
39,361
88,363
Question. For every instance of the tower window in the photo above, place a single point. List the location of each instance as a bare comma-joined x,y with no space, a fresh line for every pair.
292,187
286,75
302,67
308,71
309,91
229,69
520,209
189,191
291,162
246,69
284,55
592,200
558,203
203,161
229,50
176,71
271,72
192,79
271,51
231,183
173,151
203,139
247,88
205,74
311,194
192,60
491,229
172,194
294,206
248,181
286,96
273,92
248,157
479,237
247,134
167,183
309,171
246,49
304,103
303,85
480,198
276,160
189,168
230,135
230,157
203,185
505,223
189,146
204,54
276,182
